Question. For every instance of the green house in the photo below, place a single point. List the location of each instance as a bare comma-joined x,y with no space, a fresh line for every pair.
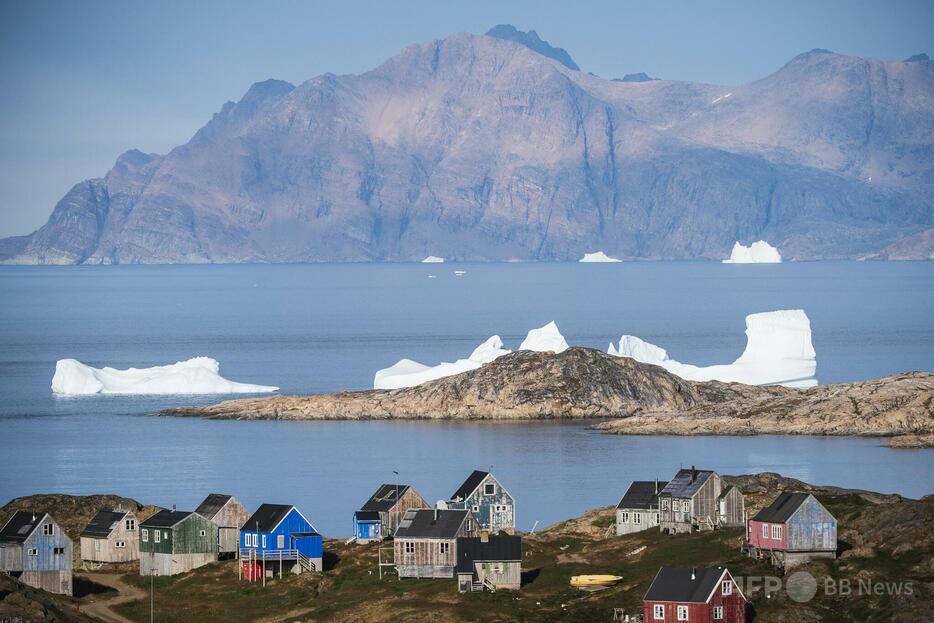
173,542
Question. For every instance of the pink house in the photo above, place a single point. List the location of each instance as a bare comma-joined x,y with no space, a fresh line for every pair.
793,529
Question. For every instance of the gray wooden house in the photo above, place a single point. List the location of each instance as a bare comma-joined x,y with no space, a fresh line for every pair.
489,562
110,536
35,549
379,517
489,501
638,509
731,508
425,543
792,530
172,542
229,515
689,501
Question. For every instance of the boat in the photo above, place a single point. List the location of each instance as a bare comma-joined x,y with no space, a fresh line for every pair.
594,582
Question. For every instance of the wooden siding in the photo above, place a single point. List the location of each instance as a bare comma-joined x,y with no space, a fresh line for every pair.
292,523
626,523
427,561
172,564
11,557
229,520
732,511
734,608
46,559
505,575
486,513
104,549
58,582
812,528
184,537
409,500
702,508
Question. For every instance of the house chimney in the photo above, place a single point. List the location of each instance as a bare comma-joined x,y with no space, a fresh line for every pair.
693,577
656,486
693,474
173,508
436,513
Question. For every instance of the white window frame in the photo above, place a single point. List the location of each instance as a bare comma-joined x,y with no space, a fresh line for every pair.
718,613
444,547
33,551
157,536
726,588
280,540
624,517
145,535
489,488
765,531
683,612
664,505
120,544
498,568
408,547
130,524
637,518
476,508
469,524
204,533
48,529
58,551
658,612
776,531
264,541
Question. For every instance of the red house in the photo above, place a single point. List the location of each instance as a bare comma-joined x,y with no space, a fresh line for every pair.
793,529
694,595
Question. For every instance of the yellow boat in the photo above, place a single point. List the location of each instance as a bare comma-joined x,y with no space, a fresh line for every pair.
594,581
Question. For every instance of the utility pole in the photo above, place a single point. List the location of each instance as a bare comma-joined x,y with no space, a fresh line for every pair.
152,575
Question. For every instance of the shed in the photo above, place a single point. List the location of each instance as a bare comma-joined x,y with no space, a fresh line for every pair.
280,534
380,515
793,529
491,562
229,515
35,549
638,508
489,501
172,542
425,543
731,510
110,536
698,595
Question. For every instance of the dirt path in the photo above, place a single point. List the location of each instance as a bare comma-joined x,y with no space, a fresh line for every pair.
100,605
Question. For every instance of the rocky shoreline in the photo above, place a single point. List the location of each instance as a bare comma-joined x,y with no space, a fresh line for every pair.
635,399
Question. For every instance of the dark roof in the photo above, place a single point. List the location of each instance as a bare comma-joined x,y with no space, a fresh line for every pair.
675,584
385,498
20,526
727,491
681,486
165,519
103,523
642,494
496,549
431,523
783,507
267,517
212,504
470,485
366,515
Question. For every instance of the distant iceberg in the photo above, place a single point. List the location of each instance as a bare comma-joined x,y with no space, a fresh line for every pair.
194,376
778,352
599,256
545,339
408,373
760,252
433,259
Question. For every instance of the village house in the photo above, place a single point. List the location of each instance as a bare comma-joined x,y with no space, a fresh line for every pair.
279,538
380,515
229,515
695,499
35,550
492,505
792,530
110,536
172,542
694,595
638,509
489,562
731,509
425,543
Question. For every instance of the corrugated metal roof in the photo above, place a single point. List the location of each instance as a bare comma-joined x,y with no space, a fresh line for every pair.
686,483
212,504
470,485
267,517
385,497
165,519
642,494
103,523
676,584
496,549
783,507
20,526
431,523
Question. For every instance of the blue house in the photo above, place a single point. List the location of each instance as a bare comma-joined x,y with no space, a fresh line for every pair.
35,549
492,505
278,534
379,517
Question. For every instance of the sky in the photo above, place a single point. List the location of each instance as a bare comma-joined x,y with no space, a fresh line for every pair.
82,82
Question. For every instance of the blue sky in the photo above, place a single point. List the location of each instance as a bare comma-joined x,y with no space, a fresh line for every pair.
81,82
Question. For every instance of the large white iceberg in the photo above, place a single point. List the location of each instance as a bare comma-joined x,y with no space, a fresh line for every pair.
195,376
760,252
408,373
545,339
778,352
433,259
599,256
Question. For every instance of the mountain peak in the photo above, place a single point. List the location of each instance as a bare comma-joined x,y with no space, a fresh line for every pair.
267,88
532,41
917,58
637,77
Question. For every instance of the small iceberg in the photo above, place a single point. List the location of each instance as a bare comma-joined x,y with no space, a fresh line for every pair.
433,259
778,352
545,339
408,373
460,273
599,256
200,375
760,252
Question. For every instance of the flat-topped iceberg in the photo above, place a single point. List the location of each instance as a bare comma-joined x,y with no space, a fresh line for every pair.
778,352
200,375
599,256
433,259
760,252
408,373
545,339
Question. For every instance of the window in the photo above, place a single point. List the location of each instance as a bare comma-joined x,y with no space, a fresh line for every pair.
776,532
444,548
58,551
624,517
656,517
682,613
131,524
469,524
727,588
489,489
157,534
409,547
33,551
765,531
664,507
658,611
120,544
48,529
145,535
280,541
476,508
264,541
637,518
498,568
203,533
718,613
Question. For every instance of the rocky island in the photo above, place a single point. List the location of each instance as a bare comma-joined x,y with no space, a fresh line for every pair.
634,398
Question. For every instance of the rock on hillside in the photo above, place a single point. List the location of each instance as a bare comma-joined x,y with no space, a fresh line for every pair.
492,148
21,603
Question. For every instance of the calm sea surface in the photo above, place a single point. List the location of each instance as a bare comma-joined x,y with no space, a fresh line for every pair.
310,328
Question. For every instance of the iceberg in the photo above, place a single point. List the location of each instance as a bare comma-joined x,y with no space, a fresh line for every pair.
545,339
778,352
199,375
408,373
433,259
599,256
760,252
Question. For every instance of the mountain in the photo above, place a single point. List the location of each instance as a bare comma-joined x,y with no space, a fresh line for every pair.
532,41
481,148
